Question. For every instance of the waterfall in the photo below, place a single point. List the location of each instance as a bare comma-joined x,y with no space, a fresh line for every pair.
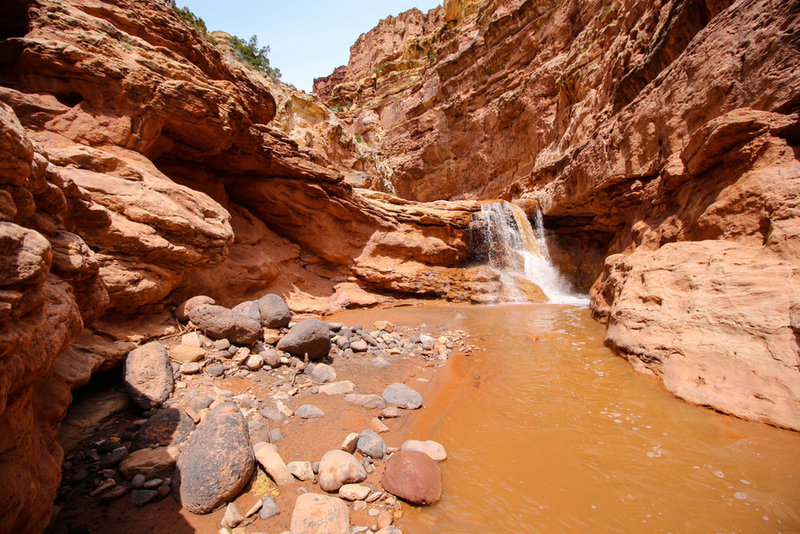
506,241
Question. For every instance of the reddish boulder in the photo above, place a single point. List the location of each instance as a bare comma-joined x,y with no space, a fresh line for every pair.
414,477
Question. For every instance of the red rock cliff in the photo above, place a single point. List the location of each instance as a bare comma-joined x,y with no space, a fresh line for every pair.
661,142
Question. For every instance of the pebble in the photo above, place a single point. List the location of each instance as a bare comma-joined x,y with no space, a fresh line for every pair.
215,370
369,402
140,497
390,412
254,362
137,482
114,493
301,470
359,346
190,368
309,411
273,464
432,448
323,373
371,444
268,412
152,483
268,509
232,517
164,490
350,442
373,512
354,492
378,426
222,344
338,388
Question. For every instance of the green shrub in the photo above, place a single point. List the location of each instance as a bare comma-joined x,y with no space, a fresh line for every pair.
193,21
250,54
336,108
358,138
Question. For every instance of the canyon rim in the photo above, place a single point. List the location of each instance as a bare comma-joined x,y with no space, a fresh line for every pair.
142,164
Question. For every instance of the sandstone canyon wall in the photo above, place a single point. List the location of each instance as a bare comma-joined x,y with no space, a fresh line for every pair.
660,140
141,164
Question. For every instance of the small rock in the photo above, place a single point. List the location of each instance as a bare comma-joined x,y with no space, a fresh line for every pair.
431,448
137,482
153,483
320,514
385,326
378,426
149,462
390,530
337,388
370,402
384,519
232,517
268,509
197,400
301,470
114,493
273,464
371,444
315,467
271,336
359,346
140,497
373,512
354,492
222,344
413,476
402,395
215,370
337,468
271,357
323,373
113,458
190,368
309,411
187,353
380,363
390,412
254,362
311,337
350,442
275,435
272,414
148,375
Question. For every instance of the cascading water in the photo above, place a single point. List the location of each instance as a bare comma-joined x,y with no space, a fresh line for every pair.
507,242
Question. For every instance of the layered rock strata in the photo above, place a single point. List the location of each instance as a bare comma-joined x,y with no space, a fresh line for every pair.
660,140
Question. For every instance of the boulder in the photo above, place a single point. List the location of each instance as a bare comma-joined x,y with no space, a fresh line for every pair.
182,311
275,313
337,468
413,476
168,426
217,461
248,308
323,373
148,375
218,322
320,514
432,448
402,395
311,337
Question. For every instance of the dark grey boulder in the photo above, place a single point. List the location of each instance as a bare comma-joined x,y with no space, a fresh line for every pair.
168,426
275,313
311,337
217,460
218,322
148,375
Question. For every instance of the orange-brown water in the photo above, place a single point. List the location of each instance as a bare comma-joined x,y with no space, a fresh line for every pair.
548,431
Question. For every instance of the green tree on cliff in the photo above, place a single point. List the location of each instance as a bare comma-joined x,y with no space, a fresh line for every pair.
250,54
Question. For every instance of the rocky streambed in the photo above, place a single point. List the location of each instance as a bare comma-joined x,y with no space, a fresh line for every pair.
243,421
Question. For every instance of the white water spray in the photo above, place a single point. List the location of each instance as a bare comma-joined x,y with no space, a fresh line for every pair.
509,236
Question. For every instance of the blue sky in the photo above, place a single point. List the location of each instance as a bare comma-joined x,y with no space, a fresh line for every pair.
307,38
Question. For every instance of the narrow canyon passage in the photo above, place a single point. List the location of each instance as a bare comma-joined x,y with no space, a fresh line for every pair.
548,431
